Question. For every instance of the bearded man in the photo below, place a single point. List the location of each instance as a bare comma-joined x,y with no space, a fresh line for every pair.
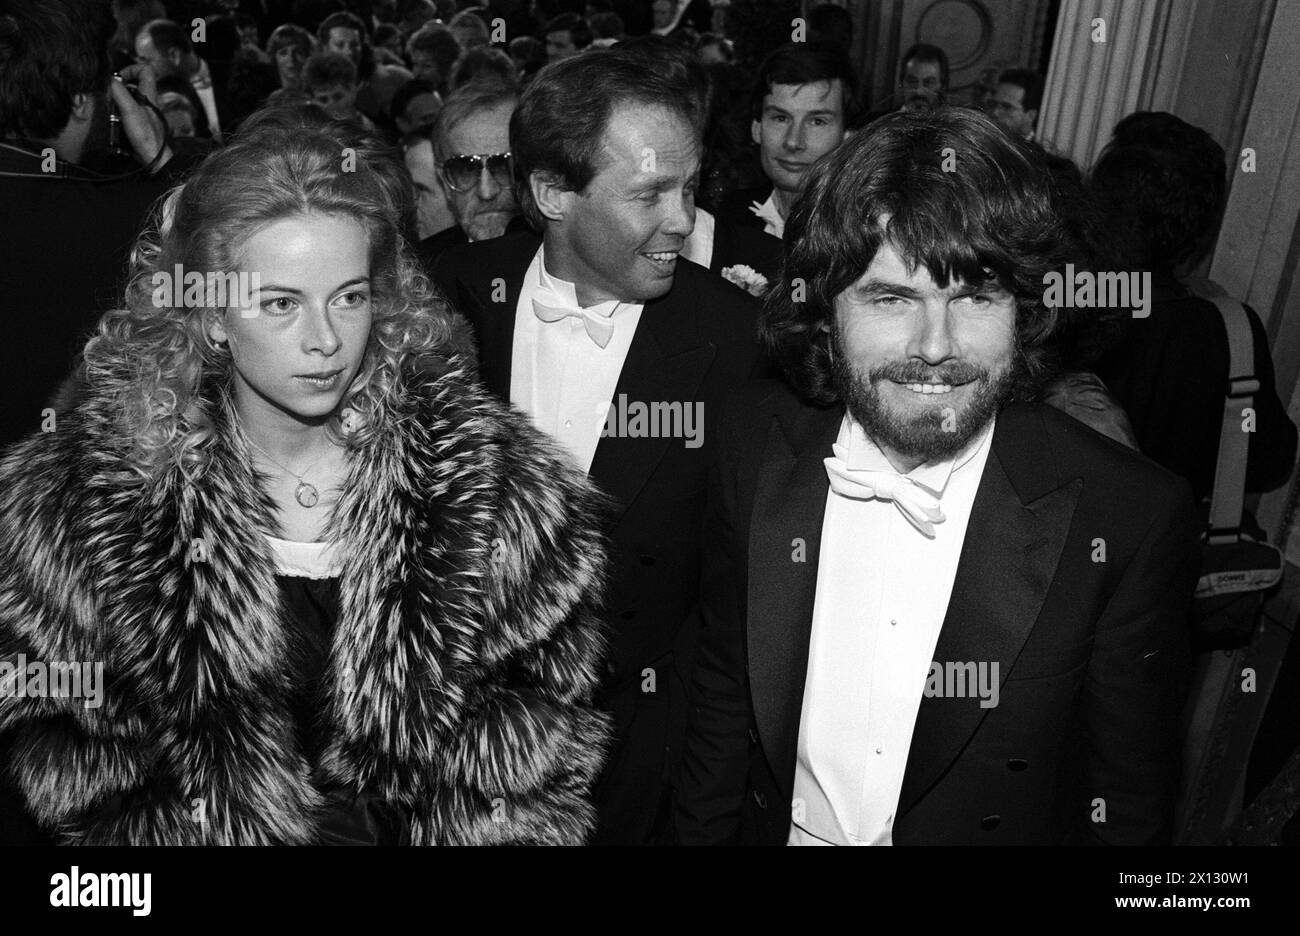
935,612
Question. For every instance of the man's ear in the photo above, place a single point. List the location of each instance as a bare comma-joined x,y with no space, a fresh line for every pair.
1033,117
83,106
174,56
755,131
550,195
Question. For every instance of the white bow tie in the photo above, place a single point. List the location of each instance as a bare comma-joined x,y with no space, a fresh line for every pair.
919,506
550,306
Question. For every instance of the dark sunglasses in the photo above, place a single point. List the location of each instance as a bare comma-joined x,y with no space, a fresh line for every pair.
462,173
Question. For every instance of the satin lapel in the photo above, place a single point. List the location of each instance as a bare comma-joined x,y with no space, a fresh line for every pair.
784,540
660,368
1017,530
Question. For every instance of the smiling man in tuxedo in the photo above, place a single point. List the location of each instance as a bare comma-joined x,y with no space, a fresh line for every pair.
594,321
935,612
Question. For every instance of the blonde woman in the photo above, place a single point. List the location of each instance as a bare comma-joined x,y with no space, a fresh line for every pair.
339,595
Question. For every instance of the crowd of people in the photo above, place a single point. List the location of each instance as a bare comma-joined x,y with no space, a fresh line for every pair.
614,441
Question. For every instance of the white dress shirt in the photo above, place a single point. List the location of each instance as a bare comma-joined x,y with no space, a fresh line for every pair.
558,374
882,594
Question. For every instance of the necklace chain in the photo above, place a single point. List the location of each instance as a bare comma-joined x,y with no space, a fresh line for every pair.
279,465
305,493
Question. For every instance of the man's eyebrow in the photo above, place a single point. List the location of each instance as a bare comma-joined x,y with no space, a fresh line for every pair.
878,287
662,183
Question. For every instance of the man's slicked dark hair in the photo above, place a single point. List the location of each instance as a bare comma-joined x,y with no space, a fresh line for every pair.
962,199
562,115
800,63
50,51
1030,81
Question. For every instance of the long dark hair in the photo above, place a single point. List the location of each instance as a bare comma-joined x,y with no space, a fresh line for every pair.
950,191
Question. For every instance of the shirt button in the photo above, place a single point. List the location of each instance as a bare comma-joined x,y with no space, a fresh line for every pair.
893,623
880,750
568,424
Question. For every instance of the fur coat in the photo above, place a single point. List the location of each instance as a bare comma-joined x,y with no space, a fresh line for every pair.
463,660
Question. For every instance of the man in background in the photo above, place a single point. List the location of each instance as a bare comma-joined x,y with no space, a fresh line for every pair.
802,105
566,36
70,214
1015,102
167,50
471,146
923,79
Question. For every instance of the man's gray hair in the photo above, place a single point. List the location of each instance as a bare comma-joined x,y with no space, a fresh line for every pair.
481,94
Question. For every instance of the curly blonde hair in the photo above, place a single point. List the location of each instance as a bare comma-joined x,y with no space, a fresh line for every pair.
171,382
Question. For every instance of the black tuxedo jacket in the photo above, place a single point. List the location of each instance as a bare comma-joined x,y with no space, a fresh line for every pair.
734,243
735,207
1092,654
431,248
696,344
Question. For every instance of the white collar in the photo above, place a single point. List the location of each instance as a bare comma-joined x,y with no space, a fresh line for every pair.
568,293
770,214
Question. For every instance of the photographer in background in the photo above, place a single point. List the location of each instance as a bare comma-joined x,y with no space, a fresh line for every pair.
71,212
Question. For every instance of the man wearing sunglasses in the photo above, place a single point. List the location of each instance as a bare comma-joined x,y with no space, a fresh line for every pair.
471,147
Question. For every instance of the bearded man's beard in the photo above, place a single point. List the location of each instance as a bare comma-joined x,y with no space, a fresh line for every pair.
938,431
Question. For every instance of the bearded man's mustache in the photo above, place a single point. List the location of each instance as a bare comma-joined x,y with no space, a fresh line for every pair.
954,373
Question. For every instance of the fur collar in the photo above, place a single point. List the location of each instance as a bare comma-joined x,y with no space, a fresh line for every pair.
464,658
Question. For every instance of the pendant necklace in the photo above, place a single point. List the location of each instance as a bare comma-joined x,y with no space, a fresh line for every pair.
305,493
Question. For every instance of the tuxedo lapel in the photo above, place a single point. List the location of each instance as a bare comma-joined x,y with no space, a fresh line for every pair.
1017,530
784,541
663,365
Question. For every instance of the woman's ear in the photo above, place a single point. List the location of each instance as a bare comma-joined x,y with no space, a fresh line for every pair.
215,326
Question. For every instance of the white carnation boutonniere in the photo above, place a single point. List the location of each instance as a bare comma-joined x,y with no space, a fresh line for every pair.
747,278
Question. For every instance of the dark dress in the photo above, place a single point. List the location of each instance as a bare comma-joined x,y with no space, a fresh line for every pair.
311,607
